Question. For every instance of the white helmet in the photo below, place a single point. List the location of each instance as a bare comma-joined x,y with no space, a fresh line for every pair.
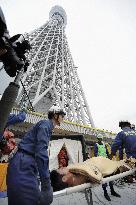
56,110
99,136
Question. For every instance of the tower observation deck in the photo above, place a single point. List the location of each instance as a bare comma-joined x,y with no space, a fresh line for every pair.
51,78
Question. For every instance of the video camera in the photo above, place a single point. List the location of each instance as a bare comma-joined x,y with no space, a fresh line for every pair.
12,54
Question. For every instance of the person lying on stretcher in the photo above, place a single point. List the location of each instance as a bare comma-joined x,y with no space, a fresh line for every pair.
91,170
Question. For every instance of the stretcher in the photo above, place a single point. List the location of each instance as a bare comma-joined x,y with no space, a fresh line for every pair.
84,189
87,187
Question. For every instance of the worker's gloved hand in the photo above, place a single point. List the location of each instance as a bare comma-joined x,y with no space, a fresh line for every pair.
46,196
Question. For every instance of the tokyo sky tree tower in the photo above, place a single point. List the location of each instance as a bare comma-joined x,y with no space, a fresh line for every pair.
51,78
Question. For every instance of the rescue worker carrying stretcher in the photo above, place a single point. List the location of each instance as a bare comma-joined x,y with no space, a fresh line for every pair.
7,141
32,160
125,139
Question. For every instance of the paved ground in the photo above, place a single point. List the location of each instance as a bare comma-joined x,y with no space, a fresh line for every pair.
127,192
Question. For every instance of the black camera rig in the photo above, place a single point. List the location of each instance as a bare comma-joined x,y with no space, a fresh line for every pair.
12,54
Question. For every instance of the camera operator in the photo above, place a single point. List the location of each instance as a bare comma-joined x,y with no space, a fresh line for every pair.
12,53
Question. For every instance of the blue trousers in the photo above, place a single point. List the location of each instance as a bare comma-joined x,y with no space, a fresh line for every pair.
22,183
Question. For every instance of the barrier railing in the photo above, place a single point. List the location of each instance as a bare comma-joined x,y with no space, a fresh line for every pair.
67,126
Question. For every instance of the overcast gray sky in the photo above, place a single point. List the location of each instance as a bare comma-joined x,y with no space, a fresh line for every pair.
102,40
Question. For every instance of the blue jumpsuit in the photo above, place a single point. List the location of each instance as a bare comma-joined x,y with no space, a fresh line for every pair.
13,119
30,160
125,139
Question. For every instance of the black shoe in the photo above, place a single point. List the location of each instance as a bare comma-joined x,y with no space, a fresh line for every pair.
107,196
113,193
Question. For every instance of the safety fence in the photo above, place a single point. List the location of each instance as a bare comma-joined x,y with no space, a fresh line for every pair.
66,126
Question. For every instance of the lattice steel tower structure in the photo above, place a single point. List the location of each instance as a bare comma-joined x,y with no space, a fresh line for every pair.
52,76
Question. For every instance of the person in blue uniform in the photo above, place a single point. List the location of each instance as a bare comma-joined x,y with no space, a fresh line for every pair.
125,139
12,119
5,143
31,161
100,149
15,118
133,126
